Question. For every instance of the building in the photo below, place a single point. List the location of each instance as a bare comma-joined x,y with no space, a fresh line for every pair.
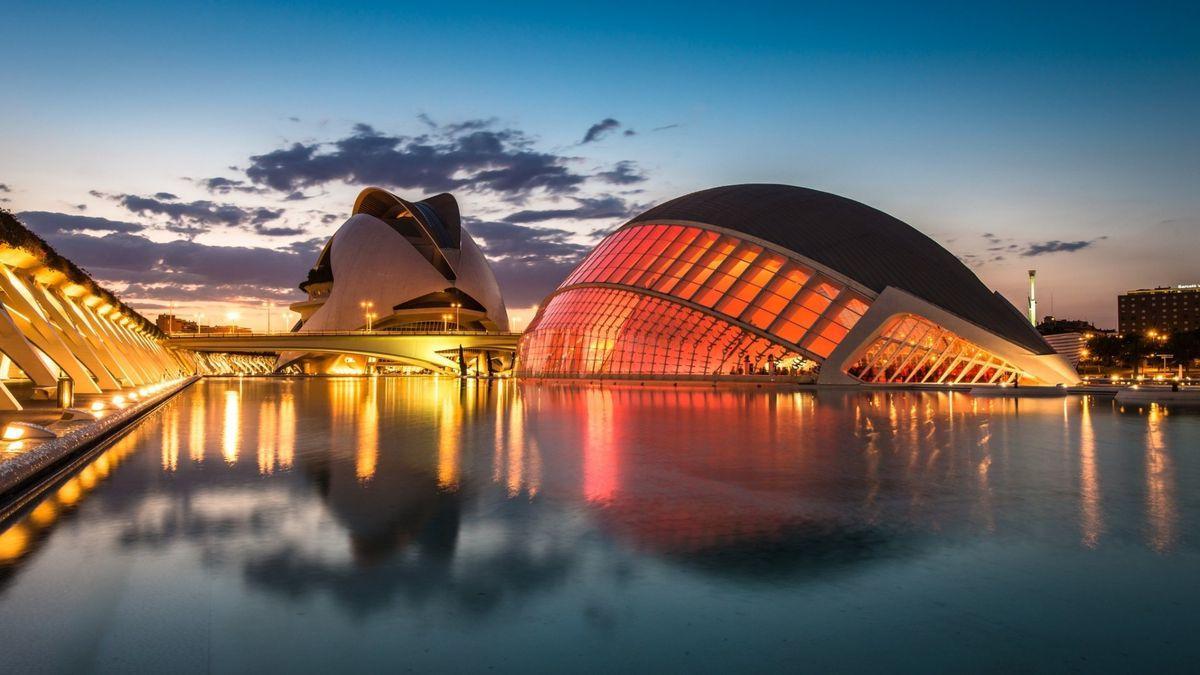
1165,309
169,323
774,279
397,265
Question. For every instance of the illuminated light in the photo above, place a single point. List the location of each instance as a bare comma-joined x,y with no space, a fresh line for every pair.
69,493
45,514
12,432
13,543
133,396
118,400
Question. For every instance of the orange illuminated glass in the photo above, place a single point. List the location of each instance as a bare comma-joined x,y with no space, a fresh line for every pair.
912,349
738,279
602,331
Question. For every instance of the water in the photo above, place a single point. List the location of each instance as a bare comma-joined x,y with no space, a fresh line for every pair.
396,524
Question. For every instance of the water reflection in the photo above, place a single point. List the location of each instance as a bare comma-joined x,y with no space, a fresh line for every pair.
232,427
1160,494
386,494
1091,519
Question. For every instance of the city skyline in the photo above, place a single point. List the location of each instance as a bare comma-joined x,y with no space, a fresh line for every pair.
1019,138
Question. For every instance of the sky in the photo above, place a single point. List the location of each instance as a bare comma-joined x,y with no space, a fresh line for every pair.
195,157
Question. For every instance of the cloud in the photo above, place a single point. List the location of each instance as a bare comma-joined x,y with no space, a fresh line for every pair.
223,186
623,173
4,187
600,129
165,196
588,209
47,223
198,216
1055,246
665,127
471,155
177,270
529,262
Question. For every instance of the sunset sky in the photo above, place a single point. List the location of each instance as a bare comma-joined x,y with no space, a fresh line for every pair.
197,156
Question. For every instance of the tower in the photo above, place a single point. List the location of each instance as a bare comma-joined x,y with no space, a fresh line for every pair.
1032,297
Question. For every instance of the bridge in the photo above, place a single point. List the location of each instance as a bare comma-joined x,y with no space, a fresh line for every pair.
449,351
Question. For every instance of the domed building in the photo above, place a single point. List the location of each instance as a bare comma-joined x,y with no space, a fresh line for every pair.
397,265
781,280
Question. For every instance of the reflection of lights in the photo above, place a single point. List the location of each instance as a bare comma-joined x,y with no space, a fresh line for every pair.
13,432
367,457
1160,500
170,439
196,430
232,427
599,461
118,400
266,437
1089,479
97,406
287,431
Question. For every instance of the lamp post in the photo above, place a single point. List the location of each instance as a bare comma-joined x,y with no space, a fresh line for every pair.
367,305
456,306
445,323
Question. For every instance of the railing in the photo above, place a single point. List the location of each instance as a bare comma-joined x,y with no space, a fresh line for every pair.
345,333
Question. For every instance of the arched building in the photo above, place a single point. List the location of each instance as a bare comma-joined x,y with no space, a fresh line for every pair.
761,279
397,265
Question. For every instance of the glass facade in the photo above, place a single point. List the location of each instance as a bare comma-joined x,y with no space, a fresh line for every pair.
912,349
731,277
593,331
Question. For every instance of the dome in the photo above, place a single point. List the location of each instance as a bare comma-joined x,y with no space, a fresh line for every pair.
762,279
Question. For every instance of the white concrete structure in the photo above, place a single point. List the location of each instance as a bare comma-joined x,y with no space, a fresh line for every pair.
402,266
56,326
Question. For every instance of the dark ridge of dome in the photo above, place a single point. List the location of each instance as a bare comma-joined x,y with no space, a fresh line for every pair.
861,242
445,208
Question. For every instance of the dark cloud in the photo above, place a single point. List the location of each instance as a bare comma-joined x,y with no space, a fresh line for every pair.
46,223
4,187
470,155
1055,246
81,207
198,216
600,130
665,127
180,269
223,186
279,231
529,261
623,173
165,196
630,132
296,196
587,209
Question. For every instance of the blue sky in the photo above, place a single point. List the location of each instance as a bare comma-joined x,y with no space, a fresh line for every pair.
994,129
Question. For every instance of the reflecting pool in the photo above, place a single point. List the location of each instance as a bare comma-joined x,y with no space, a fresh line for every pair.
413,523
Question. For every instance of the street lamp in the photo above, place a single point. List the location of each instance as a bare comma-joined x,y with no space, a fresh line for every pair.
456,306
445,321
367,305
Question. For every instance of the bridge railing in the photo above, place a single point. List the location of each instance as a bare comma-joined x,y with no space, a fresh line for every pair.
345,333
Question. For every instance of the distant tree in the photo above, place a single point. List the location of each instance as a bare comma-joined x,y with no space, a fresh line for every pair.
1107,350
1053,326
1185,347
